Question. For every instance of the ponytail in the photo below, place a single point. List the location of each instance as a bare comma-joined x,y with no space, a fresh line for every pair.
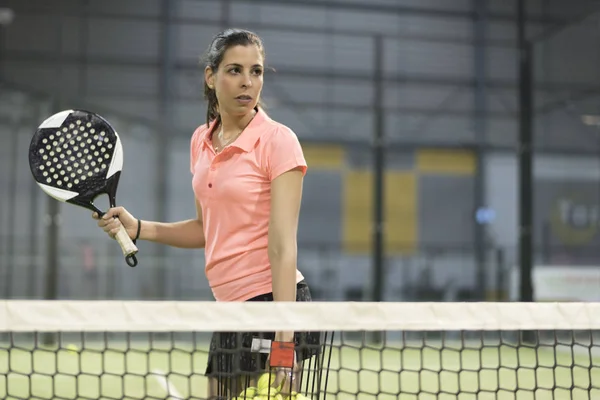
212,111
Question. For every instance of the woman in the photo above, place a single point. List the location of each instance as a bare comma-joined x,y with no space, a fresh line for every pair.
247,179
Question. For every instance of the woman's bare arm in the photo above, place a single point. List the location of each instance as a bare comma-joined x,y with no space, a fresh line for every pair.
286,195
187,234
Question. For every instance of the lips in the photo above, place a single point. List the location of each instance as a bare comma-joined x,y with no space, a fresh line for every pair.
244,97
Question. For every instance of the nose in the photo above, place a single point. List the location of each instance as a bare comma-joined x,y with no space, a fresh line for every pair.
246,81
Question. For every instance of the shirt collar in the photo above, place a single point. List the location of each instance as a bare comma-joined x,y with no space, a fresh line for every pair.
249,135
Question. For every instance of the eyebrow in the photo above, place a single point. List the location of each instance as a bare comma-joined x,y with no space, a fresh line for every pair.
241,66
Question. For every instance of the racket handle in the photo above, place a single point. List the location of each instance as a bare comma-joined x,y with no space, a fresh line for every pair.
129,248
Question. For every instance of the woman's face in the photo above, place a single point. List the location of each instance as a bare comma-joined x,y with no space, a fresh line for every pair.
238,81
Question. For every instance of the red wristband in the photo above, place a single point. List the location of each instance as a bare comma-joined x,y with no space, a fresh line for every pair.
282,354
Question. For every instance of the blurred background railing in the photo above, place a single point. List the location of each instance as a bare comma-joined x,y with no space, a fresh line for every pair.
426,99
431,273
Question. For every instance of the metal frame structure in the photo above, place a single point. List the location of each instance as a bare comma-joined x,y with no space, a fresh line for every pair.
480,84
170,21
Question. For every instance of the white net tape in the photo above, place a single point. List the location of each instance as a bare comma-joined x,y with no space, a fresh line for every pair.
145,316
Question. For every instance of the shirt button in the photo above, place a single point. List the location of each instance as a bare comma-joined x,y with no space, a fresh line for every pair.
210,185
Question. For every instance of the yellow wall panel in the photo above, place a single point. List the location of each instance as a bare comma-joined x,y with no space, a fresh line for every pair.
445,161
357,209
400,212
401,219
324,156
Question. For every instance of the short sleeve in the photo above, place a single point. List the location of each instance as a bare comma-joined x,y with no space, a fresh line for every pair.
195,148
284,153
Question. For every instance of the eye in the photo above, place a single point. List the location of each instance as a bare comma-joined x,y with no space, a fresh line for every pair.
235,70
257,72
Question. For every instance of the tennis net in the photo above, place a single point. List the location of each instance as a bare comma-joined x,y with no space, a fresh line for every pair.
159,350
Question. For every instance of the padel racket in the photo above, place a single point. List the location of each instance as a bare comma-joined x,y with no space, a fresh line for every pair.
76,156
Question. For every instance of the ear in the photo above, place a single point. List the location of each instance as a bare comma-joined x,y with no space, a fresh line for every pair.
209,77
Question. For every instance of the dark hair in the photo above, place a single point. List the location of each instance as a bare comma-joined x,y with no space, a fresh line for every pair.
214,55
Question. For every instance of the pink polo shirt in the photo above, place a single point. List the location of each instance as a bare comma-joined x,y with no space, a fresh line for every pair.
234,190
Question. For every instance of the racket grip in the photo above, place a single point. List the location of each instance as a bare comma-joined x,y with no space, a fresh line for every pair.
129,248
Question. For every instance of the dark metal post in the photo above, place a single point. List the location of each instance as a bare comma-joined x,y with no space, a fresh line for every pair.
480,127
53,212
111,277
52,217
34,192
52,249
500,270
378,176
2,47
525,157
12,203
4,177
378,271
34,195
84,44
52,260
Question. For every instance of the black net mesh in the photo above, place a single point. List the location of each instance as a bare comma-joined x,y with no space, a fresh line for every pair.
544,364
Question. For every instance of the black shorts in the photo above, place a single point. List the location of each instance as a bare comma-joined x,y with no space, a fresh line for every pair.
230,352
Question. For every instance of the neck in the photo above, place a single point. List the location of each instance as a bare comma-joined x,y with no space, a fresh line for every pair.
233,125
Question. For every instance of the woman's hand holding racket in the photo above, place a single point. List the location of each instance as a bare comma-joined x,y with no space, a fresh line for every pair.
114,218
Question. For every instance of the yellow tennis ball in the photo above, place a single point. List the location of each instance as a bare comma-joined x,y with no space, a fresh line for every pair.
292,396
266,397
267,391
248,393
265,380
72,348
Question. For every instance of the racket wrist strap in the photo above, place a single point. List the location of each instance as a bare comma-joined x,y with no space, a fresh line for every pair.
139,229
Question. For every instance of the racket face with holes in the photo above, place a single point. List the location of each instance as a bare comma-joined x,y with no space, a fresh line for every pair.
75,156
